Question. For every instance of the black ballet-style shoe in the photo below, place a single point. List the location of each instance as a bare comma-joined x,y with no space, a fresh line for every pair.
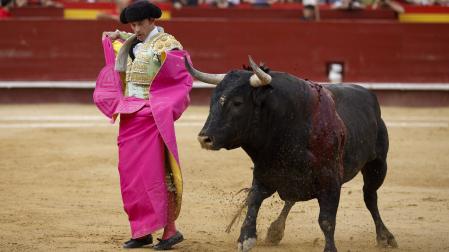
170,242
138,243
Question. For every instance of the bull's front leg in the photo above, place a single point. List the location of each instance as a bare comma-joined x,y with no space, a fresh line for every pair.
328,200
248,234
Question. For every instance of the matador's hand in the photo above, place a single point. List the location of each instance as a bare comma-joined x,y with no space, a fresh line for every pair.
112,35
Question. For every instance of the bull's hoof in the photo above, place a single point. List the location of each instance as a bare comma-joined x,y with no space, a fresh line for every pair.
386,240
328,248
246,245
275,232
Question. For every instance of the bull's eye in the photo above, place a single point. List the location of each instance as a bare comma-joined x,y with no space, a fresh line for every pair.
237,103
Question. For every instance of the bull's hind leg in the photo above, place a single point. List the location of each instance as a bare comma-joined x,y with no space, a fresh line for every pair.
373,176
276,230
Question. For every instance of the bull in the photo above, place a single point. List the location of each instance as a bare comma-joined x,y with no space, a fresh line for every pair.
305,139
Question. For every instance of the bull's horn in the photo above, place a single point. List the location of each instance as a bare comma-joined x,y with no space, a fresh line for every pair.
204,77
259,78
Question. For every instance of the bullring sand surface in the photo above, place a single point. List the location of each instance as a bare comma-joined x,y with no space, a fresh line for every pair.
59,187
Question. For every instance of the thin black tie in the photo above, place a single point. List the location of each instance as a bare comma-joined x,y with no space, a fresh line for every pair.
131,50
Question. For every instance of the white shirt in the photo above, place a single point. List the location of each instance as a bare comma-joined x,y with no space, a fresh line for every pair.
152,33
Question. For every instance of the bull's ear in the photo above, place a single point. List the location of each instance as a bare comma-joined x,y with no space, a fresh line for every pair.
261,94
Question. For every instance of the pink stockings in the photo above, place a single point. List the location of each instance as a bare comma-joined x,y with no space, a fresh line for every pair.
170,228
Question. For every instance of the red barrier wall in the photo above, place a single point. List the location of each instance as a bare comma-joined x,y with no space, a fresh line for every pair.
371,51
50,12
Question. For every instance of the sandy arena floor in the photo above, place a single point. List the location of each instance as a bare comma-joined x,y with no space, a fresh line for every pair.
59,188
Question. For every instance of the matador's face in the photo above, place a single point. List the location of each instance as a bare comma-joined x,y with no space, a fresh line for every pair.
142,28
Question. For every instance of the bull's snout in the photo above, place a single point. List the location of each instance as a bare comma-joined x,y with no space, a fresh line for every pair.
205,141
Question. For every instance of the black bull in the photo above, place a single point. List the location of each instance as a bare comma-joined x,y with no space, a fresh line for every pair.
306,140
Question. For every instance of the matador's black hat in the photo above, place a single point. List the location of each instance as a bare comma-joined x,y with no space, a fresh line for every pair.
138,11
5,2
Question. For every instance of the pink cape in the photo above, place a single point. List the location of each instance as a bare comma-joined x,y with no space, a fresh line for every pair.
142,172
108,89
169,97
146,129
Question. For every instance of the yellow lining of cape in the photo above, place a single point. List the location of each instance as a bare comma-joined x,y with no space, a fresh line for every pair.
177,181
163,57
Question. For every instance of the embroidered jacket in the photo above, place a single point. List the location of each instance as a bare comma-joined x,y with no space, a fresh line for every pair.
140,72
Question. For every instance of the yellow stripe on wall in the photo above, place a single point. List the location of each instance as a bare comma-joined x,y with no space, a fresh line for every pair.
92,14
80,14
424,18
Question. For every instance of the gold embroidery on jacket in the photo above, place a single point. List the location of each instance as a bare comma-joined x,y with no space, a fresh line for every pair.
141,72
